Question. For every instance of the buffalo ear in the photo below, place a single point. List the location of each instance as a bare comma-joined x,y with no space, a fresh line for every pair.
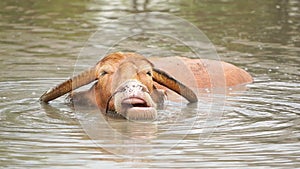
73,83
166,80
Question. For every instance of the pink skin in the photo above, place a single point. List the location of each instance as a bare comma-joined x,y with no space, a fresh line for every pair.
133,101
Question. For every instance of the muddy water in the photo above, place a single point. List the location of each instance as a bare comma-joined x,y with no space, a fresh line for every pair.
257,128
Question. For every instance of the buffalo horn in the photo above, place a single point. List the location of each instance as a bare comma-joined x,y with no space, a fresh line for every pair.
73,83
166,80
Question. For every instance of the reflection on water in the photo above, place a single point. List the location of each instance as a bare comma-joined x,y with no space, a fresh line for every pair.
40,42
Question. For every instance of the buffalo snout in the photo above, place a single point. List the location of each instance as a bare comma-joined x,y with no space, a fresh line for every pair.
133,101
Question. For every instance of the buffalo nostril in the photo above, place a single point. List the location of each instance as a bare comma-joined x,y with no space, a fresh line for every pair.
133,87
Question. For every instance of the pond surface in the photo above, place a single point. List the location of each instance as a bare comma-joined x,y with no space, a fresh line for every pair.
40,42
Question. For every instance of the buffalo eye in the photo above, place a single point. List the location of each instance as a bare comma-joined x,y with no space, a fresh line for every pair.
103,73
149,73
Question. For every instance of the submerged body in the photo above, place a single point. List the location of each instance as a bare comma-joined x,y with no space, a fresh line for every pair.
202,73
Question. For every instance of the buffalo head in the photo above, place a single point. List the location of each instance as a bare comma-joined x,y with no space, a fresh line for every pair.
125,84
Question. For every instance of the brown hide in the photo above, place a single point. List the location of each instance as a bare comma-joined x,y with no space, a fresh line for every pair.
202,73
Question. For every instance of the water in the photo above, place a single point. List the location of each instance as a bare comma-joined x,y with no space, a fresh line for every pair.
257,128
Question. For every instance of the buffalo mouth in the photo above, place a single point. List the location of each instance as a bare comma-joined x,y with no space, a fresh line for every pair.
134,102
137,108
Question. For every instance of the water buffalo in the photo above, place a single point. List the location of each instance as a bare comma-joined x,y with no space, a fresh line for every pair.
127,84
